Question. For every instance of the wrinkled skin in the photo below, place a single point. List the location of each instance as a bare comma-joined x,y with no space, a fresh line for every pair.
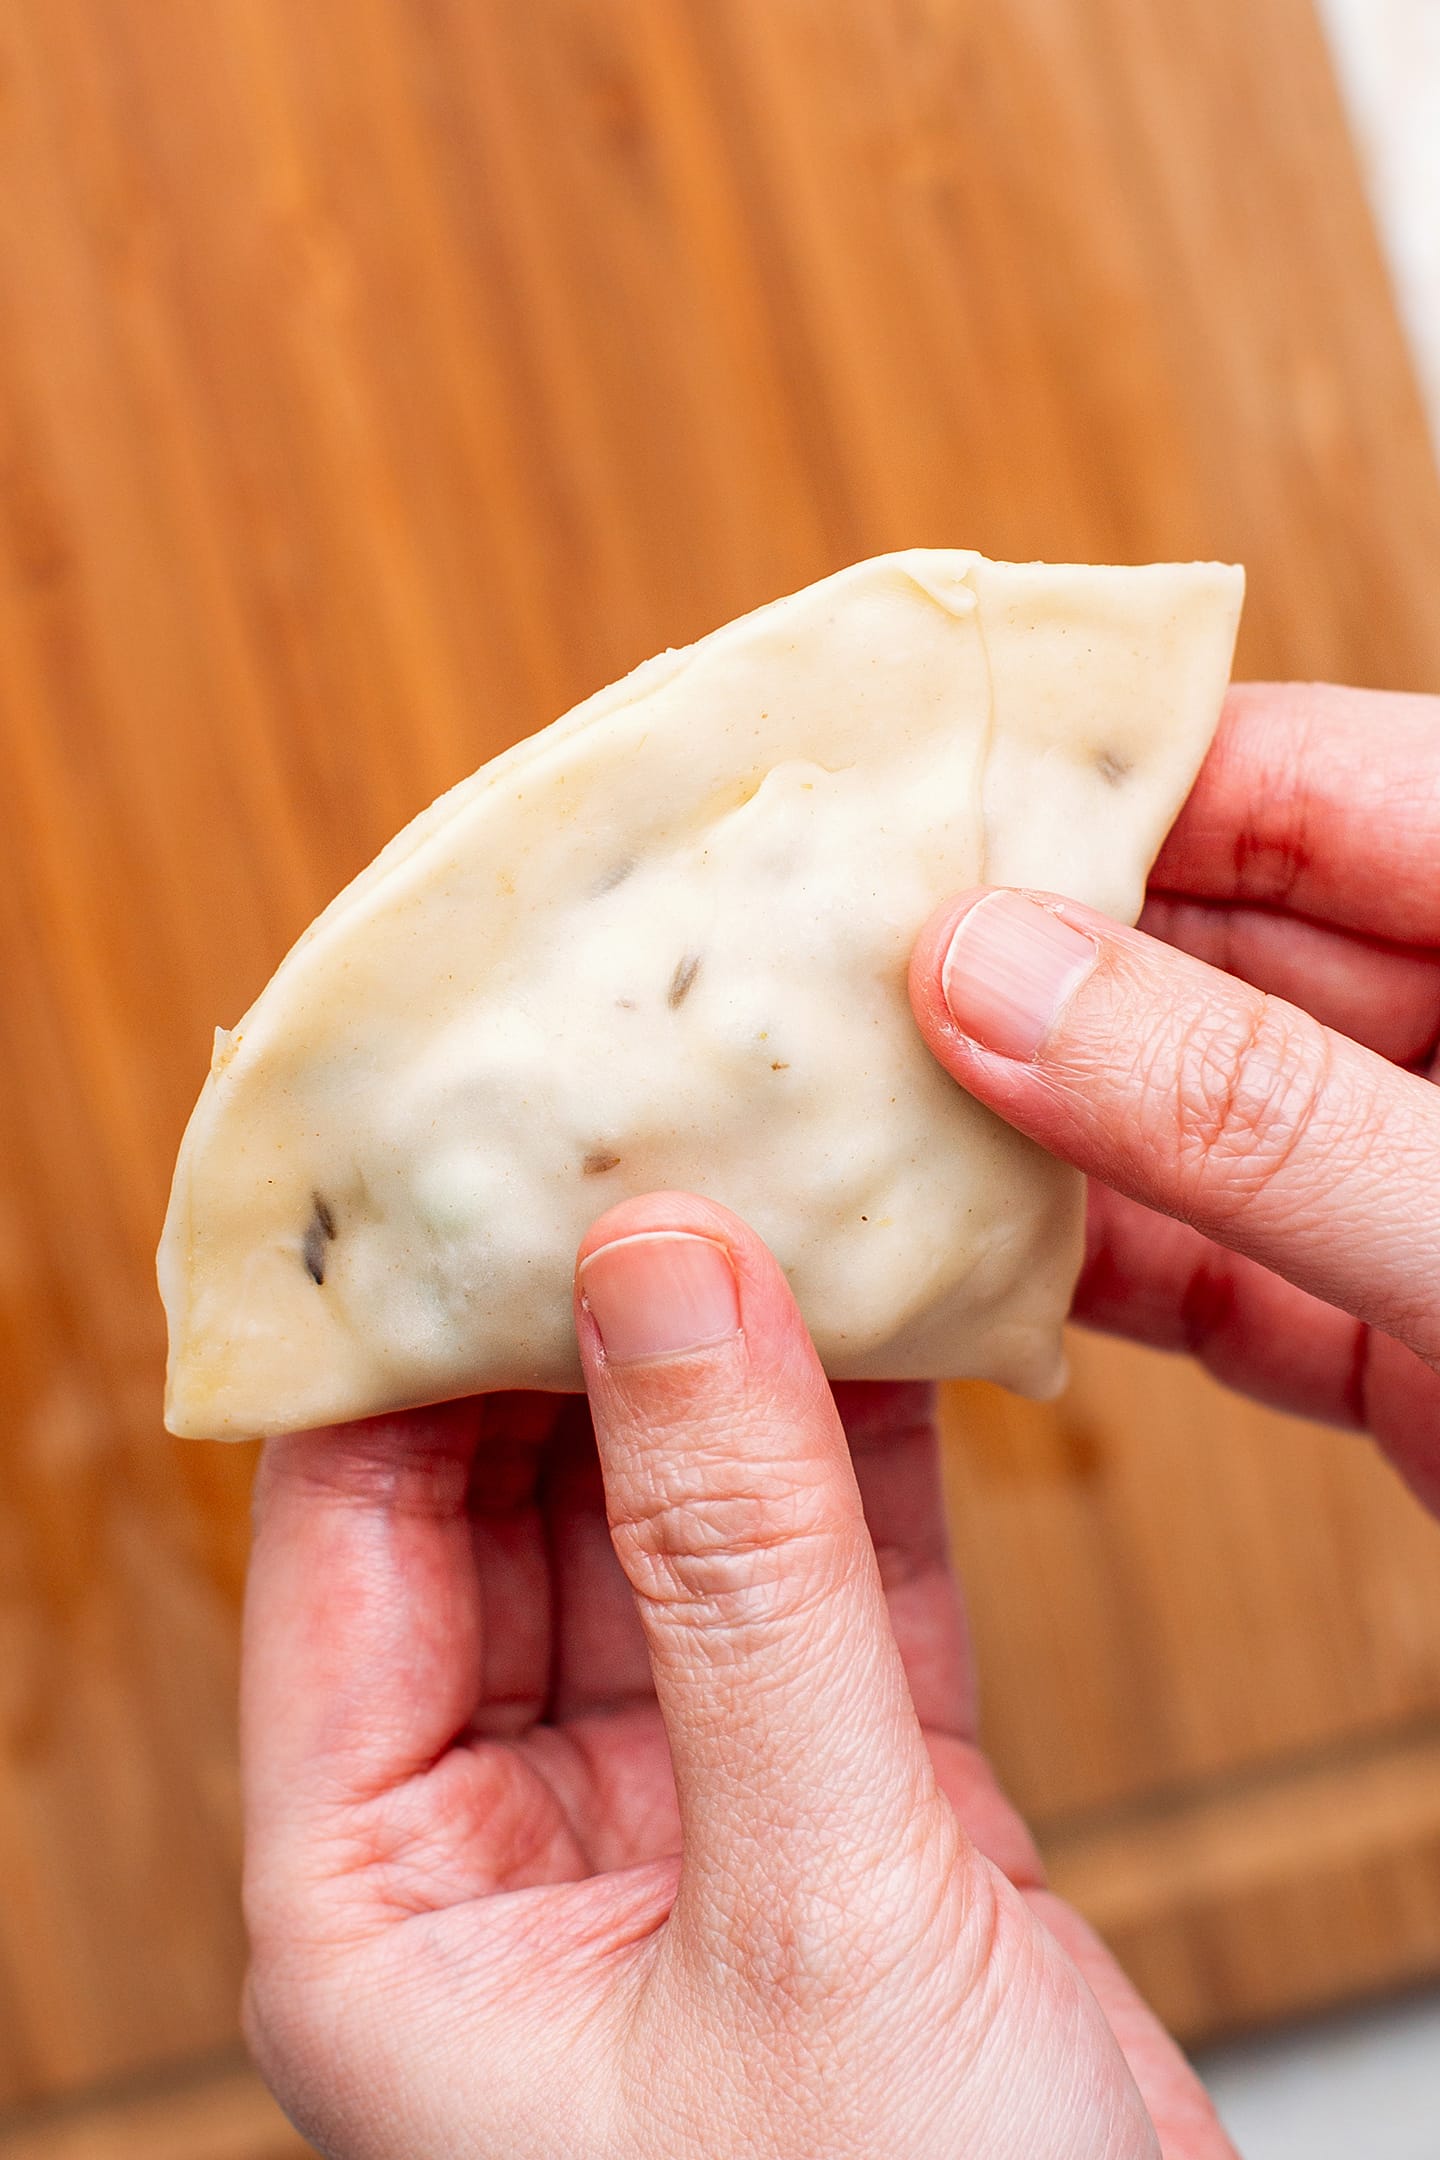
612,1786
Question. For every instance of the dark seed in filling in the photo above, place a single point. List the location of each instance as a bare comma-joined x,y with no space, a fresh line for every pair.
615,875
318,1233
1112,767
682,981
597,1164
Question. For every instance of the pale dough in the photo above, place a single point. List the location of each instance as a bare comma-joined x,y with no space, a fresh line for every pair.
664,944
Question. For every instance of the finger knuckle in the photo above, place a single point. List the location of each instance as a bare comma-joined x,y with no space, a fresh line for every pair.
1246,1093
744,1549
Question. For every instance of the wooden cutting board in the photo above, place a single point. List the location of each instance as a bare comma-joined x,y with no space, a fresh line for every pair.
376,378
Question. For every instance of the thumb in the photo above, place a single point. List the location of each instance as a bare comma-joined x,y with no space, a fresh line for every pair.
735,1513
1196,1094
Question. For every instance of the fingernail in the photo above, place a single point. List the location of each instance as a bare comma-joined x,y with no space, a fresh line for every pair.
660,1294
1011,970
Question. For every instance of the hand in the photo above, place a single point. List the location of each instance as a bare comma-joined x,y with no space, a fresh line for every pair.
490,1922
1284,1124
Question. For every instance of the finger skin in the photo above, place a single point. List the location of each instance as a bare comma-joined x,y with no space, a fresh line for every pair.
364,1645
1228,1109
735,1512
1158,1281
508,1541
1322,800
1384,996
601,1662
895,1448
821,1873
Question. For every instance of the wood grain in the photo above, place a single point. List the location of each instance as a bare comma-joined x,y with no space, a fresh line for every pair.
378,376
222,2115
1220,1900
1220,1631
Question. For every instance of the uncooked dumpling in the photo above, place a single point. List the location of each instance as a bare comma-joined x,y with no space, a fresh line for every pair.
664,944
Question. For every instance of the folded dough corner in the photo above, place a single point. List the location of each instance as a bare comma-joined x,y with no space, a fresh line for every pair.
663,943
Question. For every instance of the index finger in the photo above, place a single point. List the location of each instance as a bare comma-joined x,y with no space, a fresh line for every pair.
363,1619
381,1551
1322,800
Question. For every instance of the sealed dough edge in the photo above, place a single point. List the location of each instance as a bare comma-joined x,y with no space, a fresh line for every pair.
663,943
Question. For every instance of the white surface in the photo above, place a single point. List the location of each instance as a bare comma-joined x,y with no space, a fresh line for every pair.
1387,55
1362,2087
